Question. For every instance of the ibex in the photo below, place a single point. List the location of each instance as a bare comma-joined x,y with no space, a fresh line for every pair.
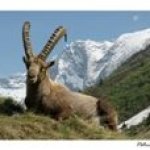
46,96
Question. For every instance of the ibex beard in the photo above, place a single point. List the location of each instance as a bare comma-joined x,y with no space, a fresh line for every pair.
46,96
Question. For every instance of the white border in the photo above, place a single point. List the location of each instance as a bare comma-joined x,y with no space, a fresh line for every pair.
71,5
74,5
72,145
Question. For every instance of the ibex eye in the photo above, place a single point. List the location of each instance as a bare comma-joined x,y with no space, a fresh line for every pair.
42,69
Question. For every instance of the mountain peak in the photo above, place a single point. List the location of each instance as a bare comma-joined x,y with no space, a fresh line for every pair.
85,63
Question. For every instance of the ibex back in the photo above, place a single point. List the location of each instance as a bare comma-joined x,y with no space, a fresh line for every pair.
48,97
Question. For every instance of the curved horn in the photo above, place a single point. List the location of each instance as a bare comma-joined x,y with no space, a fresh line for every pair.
55,37
26,39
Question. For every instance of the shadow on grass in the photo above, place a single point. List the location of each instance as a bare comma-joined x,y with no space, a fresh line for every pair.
9,107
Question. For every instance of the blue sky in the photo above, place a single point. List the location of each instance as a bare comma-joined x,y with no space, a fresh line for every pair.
83,25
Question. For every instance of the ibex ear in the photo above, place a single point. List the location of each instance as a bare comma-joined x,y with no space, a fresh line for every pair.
25,61
50,64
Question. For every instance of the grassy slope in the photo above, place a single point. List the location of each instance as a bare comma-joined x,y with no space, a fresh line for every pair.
27,125
16,124
128,87
31,126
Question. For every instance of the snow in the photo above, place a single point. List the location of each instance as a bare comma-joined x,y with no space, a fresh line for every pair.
16,94
79,64
136,119
125,47
13,86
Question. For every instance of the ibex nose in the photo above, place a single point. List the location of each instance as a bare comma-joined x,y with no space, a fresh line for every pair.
31,74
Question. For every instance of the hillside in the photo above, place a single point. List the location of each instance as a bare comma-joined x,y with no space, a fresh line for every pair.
128,87
16,124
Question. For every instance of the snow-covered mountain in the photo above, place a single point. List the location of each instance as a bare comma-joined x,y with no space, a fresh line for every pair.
85,63
81,63
13,86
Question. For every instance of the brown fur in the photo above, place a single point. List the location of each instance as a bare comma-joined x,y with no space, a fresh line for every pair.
46,96
107,113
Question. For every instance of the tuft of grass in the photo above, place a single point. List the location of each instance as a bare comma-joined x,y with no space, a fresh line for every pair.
10,107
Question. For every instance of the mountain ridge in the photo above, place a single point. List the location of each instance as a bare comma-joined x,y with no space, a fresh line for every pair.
102,59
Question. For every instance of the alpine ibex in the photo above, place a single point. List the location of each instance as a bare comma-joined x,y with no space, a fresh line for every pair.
46,96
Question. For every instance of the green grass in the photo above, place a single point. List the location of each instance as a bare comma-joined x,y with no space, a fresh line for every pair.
31,126
27,125
16,124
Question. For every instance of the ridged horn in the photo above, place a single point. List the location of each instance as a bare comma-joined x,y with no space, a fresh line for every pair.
26,40
55,37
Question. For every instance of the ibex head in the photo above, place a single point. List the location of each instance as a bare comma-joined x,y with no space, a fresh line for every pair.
36,65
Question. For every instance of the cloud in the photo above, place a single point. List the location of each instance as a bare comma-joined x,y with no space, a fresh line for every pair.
135,18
